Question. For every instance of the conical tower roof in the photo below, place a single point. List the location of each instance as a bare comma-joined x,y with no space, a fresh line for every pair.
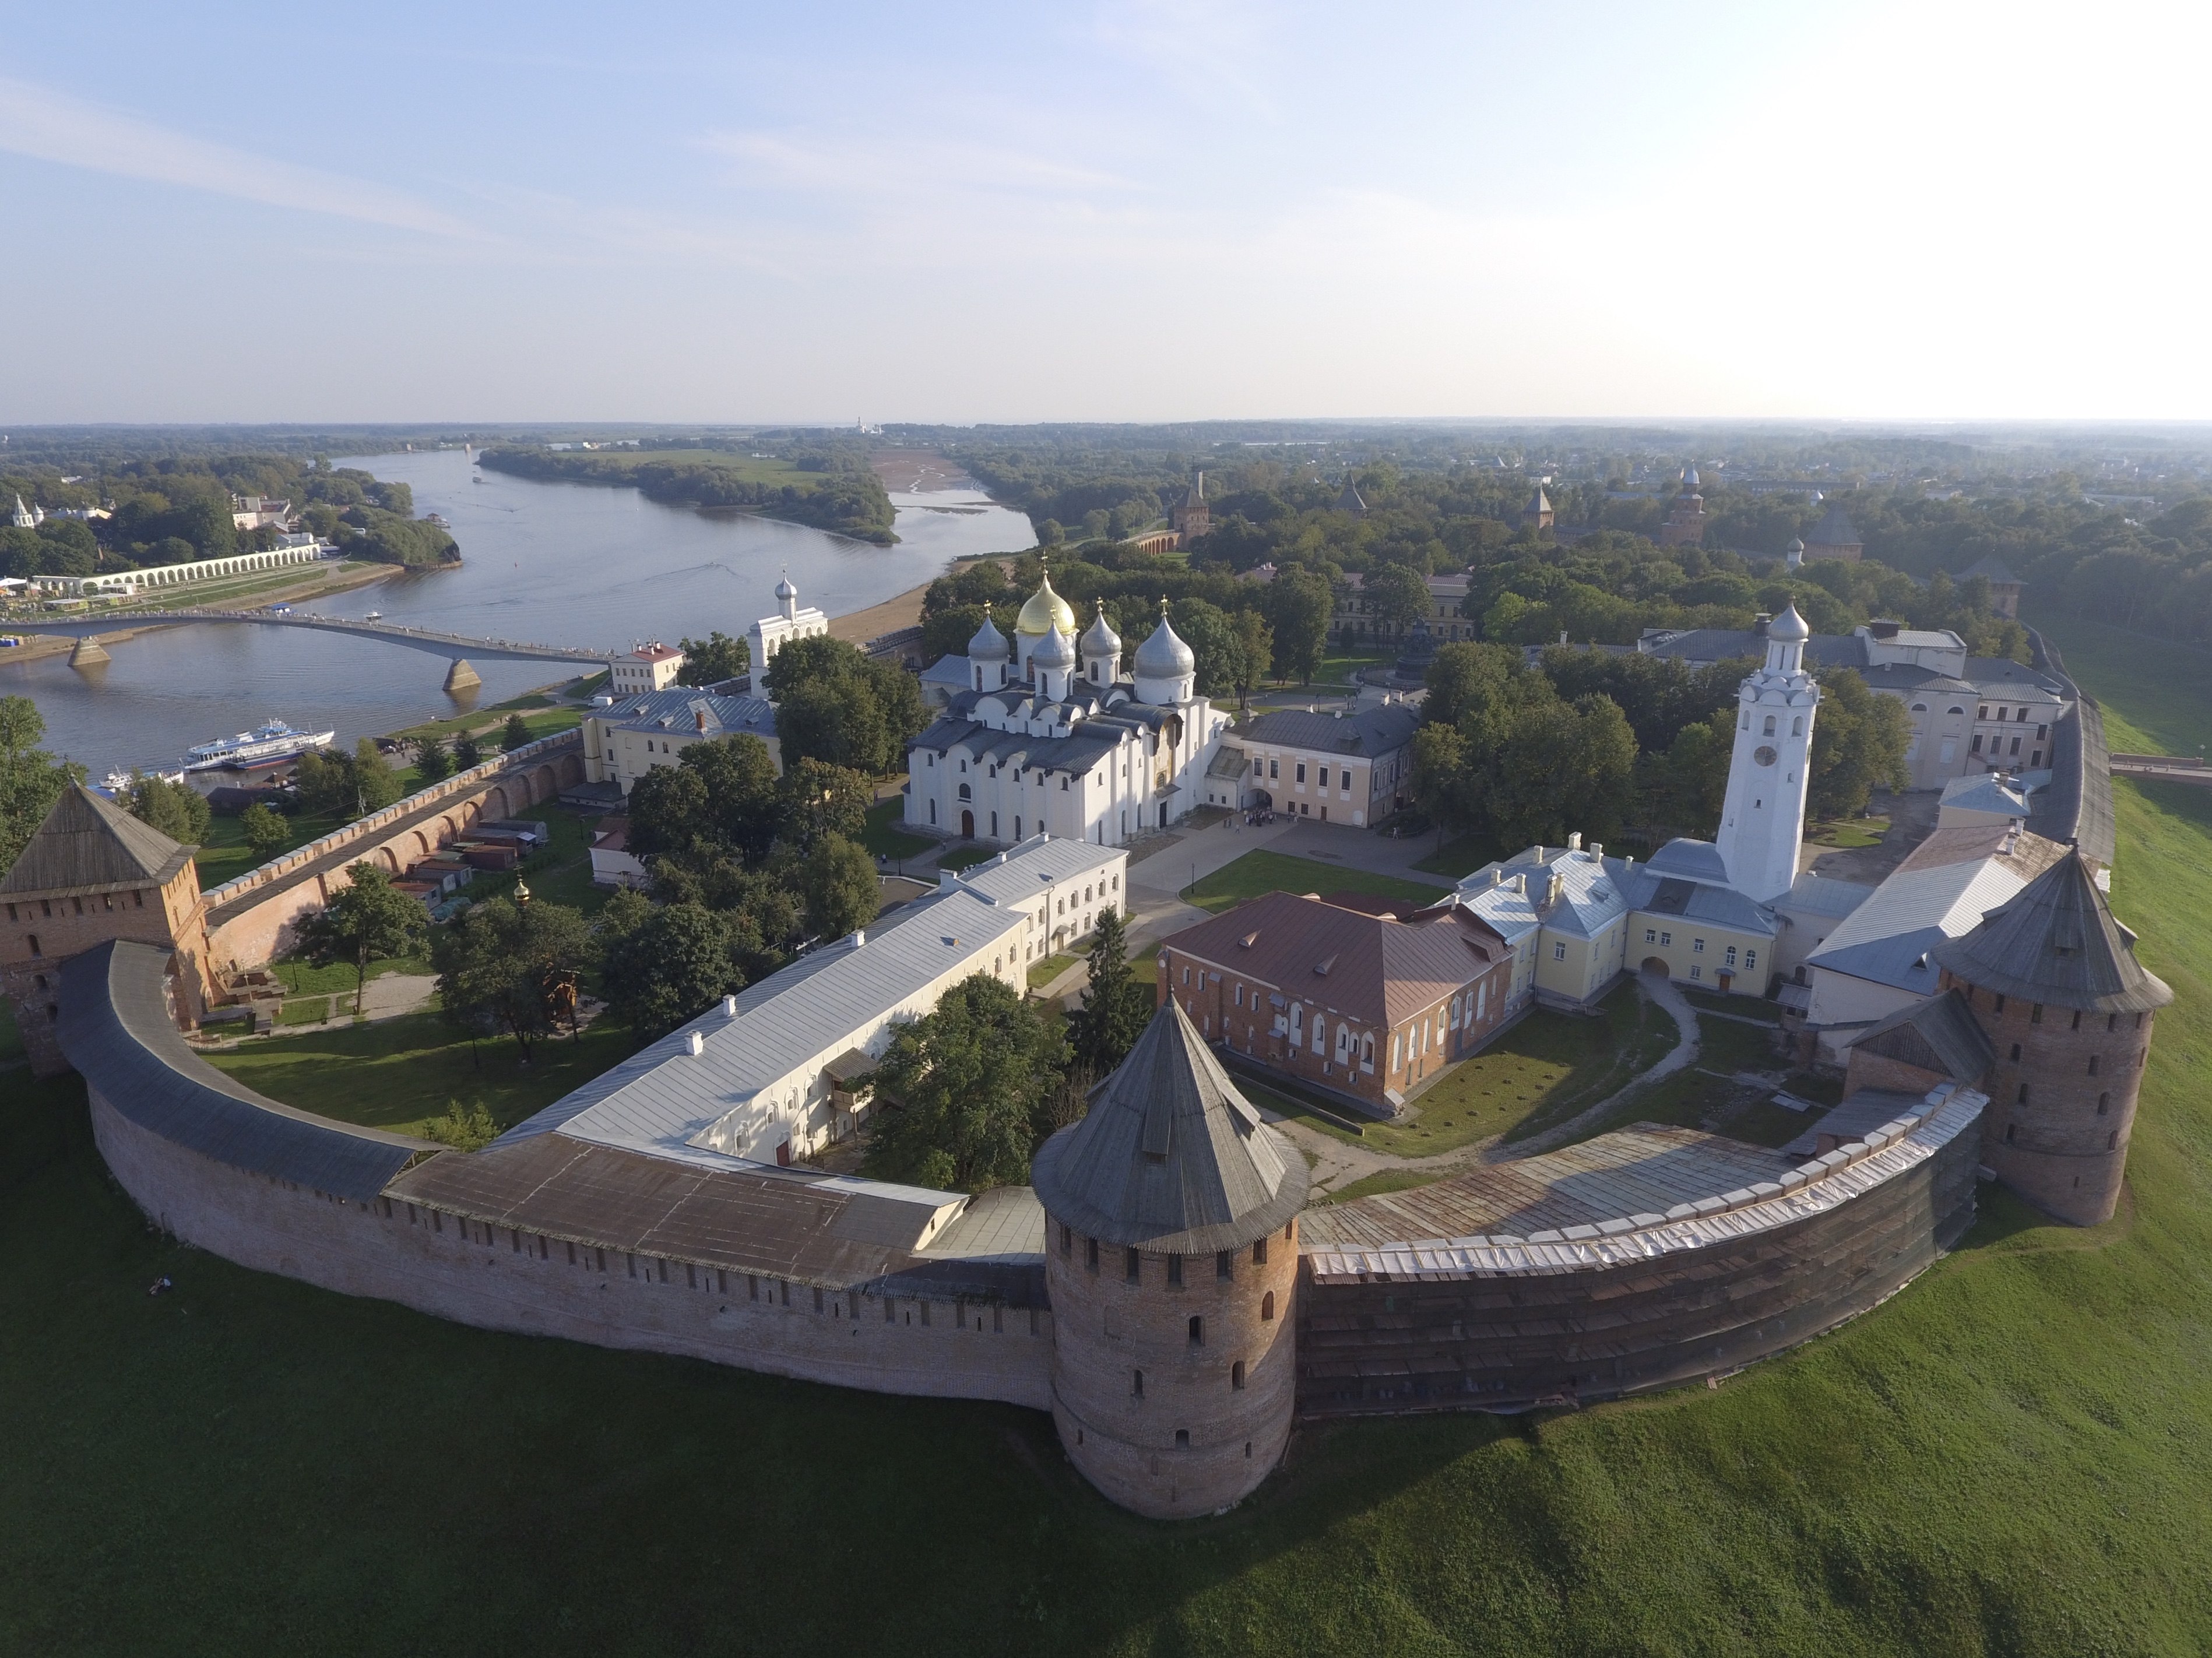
89,844
1349,499
2055,941
1170,1157
1834,528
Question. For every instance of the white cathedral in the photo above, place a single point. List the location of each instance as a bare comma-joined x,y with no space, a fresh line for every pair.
1048,738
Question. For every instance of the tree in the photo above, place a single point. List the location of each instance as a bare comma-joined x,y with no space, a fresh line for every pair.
842,892
1116,1006
507,964
434,760
516,734
1689,786
1397,596
711,660
1255,645
1859,740
719,796
467,750
265,830
835,704
178,811
948,632
368,919
31,780
817,799
662,965
1300,601
1212,638
375,785
959,1090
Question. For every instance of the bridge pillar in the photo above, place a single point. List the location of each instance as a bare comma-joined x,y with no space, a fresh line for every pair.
461,677
88,653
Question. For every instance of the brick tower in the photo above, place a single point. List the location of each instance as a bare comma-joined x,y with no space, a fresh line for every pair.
89,873
1171,1258
1685,521
2053,982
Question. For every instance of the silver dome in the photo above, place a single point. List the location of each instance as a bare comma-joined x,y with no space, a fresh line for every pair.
989,645
785,590
1790,627
1164,656
1099,639
1055,650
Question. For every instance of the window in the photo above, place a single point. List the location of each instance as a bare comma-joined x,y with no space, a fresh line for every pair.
2112,1141
1560,951
1224,1264
1975,747
1730,957
1651,935
35,951
1132,1266
1260,1253
1090,1254
1984,714
1183,1439
2035,1014
2023,1095
1136,1384
1697,972
1797,727
2015,1052
1197,1331
1066,1240
1240,995
1696,947
1237,1375
1302,771
1175,1270
1666,939
2092,1064
1767,729
2104,1103
1394,1050
2010,1128
1186,973
1267,1307
1274,769
2000,1002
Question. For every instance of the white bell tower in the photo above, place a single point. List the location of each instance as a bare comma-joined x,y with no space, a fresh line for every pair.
1763,817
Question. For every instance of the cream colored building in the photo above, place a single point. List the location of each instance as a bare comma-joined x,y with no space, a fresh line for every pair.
630,737
648,668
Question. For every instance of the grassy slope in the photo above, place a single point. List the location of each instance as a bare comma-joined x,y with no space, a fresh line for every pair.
1256,872
2011,1456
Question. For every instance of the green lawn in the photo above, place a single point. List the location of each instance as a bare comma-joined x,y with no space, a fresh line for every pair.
2156,696
885,838
2011,1456
560,873
961,857
225,856
1389,1180
309,1010
1848,832
1256,872
300,979
1044,972
399,1073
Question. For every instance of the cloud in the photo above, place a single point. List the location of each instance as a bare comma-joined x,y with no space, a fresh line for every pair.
49,126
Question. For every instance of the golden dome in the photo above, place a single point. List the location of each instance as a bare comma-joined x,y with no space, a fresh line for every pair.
1045,610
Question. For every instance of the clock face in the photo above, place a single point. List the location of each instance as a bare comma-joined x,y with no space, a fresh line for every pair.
1763,754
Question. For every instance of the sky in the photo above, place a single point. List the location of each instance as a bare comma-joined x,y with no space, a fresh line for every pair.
1865,209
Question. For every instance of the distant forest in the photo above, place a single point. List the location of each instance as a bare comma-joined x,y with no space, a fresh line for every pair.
829,487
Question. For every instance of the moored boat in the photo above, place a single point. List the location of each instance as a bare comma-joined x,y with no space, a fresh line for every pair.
271,740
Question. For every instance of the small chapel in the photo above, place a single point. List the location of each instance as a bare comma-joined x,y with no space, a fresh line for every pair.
1048,736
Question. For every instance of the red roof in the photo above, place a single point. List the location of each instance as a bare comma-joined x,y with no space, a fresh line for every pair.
1372,967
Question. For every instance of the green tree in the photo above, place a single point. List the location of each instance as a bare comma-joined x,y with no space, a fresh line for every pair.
1300,601
959,1090
265,830
1115,1005
1397,596
842,892
468,750
662,965
711,660
833,703
177,810
31,780
376,785
434,760
1690,782
720,798
1859,740
1255,645
505,965
1212,634
367,919
516,735
818,798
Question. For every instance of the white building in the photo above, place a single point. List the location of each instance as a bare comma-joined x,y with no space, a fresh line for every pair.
648,668
769,1076
632,735
1763,817
1048,736
28,518
772,633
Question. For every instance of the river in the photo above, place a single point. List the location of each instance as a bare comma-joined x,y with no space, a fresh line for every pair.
556,563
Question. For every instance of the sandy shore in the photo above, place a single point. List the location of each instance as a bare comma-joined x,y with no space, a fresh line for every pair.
914,471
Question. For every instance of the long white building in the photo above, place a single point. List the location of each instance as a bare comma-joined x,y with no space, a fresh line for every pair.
1048,736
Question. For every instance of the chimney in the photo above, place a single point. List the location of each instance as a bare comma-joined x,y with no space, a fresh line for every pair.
695,1044
701,713
729,1007
1556,889
860,937
948,880
1597,849
1497,875
1563,635
1575,842
1762,623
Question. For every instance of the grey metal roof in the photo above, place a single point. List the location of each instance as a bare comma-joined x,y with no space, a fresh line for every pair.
1368,733
678,709
2002,675
1707,644
1939,1034
1170,1157
1866,1110
1690,861
2056,941
1821,895
1940,892
1697,901
2077,806
1834,528
1992,569
87,843
117,1031
1986,792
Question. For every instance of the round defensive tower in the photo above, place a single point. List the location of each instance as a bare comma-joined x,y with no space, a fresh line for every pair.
1171,1256
2053,981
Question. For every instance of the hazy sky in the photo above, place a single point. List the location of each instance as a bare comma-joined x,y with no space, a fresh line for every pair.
1126,211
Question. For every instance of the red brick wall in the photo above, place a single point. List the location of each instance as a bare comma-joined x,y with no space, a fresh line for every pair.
168,917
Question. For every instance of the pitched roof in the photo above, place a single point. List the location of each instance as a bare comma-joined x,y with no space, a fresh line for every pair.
2056,941
1369,732
89,844
1993,567
1834,528
1939,1034
1953,879
1372,969
1170,1157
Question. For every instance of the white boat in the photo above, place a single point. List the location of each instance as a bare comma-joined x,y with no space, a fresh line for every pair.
271,740
373,615
117,781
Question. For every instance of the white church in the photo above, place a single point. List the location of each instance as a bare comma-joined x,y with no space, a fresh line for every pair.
1047,736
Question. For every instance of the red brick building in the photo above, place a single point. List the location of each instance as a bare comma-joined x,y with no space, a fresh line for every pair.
1364,1004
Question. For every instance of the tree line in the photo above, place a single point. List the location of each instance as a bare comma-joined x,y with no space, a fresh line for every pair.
851,500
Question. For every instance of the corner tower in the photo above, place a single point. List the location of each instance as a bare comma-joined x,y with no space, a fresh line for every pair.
2053,982
1763,818
1171,1258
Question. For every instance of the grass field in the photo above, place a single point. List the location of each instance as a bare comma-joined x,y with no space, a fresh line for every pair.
966,856
2012,1457
225,856
1256,872
884,836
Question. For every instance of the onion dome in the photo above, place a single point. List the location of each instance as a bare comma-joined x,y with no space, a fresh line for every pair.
1055,650
1796,546
1164,656
785,590
1689,480
1046,610
989,645
1790,627
1099,640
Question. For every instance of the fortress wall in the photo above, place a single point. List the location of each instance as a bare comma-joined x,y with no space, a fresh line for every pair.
1463,1341
437,1264
249,917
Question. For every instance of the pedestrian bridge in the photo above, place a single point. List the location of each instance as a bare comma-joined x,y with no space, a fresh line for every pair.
452,646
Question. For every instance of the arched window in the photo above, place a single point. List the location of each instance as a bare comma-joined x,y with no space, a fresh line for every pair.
2023,1094
1183,1439
1136,1384
2104,1103
1197,1331
1797,726
1767,729
966,793
2112,1141
1236,1374
2092,1064
1268,1305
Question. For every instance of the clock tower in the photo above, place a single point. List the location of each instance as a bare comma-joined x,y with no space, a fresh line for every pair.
1763,817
